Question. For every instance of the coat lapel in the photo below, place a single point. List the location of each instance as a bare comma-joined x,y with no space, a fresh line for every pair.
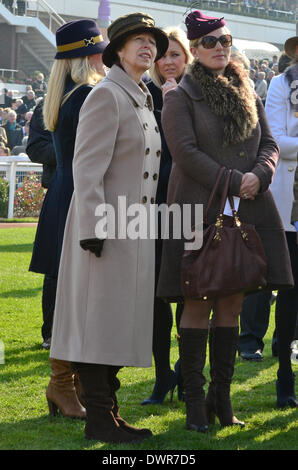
138,92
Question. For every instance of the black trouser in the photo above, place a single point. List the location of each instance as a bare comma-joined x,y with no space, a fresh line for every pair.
254,321
48,305
286,312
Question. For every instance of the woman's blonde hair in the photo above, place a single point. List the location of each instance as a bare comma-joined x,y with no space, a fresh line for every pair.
175,34
81,72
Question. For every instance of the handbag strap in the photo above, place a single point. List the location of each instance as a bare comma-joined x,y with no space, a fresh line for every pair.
225,193
214,191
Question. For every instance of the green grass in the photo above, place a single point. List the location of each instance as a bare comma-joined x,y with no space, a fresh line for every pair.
18,220
24,420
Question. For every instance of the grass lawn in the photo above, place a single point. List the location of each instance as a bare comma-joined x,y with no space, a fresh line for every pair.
24,420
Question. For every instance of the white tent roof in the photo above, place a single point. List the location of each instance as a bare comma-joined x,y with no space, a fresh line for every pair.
255,49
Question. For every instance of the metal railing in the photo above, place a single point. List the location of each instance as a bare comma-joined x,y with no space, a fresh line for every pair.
35,8
5,72
14,169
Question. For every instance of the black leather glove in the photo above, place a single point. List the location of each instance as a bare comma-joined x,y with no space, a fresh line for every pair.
94,245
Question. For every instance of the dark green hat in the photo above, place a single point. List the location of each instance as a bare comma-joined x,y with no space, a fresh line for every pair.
125,26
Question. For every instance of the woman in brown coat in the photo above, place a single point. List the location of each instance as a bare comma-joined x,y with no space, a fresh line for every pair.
104,305
213,119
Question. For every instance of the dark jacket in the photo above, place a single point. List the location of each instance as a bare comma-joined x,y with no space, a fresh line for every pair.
49,236
15,136
164,169
166,159
195,138
40,146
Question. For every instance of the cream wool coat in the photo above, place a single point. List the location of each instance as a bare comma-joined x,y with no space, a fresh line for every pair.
104,306
284,128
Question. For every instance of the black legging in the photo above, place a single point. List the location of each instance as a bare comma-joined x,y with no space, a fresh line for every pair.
48,305
162,326
286,313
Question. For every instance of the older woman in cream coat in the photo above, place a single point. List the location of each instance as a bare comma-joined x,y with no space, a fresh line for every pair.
104,307
282,113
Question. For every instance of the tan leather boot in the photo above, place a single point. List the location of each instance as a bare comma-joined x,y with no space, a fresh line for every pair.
61,393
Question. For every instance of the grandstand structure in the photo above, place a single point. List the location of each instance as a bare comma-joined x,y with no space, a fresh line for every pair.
27,29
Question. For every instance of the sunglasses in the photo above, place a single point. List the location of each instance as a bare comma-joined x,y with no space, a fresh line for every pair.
209,42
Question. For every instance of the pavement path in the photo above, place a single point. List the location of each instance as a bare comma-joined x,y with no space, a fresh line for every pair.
13,225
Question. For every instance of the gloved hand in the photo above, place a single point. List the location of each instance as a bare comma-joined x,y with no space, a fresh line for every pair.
94,245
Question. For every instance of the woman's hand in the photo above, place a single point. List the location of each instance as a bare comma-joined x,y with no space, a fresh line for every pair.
250,186
170,84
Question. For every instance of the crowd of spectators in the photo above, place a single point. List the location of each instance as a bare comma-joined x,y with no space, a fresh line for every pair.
274,9
246,6
261,72
15,116
279,5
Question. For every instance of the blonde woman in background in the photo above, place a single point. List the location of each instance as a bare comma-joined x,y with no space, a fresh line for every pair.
241,59
165,74
78,66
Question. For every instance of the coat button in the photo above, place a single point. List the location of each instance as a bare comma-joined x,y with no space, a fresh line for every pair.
152,200
158,153
241,154
290,168
145,125
156,128
155,176
144,199
147,151
146,174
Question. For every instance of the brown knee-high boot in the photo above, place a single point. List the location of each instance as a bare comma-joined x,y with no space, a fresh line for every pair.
61,393
115,385
192,349
224,343
101,424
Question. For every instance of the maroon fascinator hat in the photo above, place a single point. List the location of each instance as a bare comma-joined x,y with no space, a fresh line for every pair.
199,25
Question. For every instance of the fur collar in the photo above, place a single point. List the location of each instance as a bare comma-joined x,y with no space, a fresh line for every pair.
230,97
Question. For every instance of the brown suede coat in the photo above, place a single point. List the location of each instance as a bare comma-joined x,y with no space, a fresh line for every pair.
195,135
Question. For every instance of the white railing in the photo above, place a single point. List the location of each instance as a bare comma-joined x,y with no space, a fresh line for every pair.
9,72
13,169
36,8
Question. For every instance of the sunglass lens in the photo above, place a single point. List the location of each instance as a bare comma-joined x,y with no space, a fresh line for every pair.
208,42
226,40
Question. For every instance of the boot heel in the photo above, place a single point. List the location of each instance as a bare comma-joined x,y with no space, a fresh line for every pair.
53,408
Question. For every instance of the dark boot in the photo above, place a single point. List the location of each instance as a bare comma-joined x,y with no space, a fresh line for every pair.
285,391
192,349
115,385
211,395
61,393
100,422
225,344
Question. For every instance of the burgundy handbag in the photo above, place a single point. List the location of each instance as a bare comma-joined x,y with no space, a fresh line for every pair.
231,259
